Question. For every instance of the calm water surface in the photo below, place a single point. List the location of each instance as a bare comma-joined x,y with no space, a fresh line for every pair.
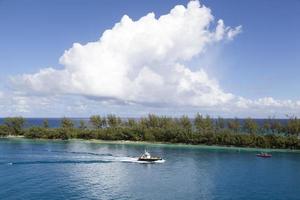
81,170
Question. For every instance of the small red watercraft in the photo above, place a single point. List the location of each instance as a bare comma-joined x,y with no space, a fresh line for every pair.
264,155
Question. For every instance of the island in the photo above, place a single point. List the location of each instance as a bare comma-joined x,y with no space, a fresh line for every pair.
269,133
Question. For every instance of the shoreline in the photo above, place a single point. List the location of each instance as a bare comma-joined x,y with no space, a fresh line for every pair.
162,144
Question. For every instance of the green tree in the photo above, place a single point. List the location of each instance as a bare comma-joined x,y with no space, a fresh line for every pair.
113,121
96,121
220,123
267,125
65,132
131,123
209,125
82,125
104,122
153,121
293,126
276,126
234,125
35,132
46,123
199,122
250,126
185,123
166,122
66,123
4,131
15,125
202,124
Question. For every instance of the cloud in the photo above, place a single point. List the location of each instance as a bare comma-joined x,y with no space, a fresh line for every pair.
267,102
226,32
141,62
20,104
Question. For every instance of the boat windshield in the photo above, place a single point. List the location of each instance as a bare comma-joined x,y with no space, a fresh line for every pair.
146,155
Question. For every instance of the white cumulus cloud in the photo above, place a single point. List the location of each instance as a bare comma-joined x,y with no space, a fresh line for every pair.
141,62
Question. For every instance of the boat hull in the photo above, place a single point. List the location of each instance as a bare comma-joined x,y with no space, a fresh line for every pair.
149,159
264,156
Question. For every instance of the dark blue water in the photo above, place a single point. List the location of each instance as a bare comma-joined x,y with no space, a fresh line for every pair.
82,170
55,122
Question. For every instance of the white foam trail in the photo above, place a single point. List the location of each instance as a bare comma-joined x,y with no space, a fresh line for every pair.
100,157
110,158
104,159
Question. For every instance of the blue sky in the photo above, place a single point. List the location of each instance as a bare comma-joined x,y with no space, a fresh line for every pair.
262,61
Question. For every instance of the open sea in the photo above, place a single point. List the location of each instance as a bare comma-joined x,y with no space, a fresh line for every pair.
55,122
75,169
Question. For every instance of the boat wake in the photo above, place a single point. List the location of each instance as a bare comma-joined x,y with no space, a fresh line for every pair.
135,160
55,162
101,158
81,153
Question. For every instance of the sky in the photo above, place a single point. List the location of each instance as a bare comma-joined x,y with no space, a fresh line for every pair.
173,57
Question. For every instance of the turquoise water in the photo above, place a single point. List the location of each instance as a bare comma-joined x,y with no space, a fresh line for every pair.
83,170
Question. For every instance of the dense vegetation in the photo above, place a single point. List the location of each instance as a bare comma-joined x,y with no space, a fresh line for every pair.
200,130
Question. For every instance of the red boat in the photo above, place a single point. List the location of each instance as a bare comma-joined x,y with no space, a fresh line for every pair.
264,155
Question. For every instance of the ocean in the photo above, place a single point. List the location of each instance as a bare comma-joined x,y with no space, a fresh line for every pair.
52,170
55,122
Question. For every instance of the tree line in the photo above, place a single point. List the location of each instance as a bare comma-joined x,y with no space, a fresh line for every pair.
199,130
